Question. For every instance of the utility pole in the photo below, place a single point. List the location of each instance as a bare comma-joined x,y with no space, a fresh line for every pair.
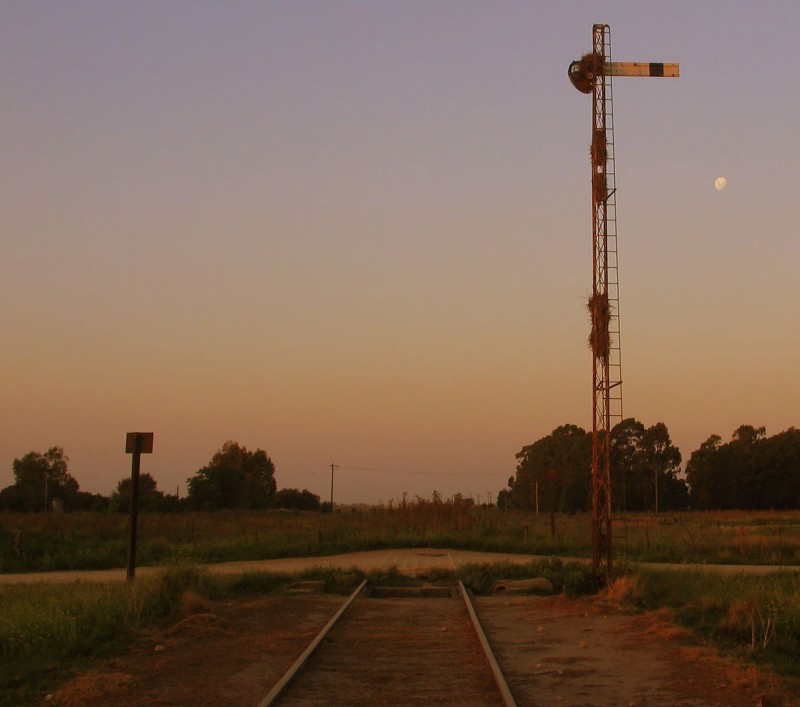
333,466
655,482
592,74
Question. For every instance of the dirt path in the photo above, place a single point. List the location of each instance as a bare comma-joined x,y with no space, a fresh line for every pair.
407,560
555,651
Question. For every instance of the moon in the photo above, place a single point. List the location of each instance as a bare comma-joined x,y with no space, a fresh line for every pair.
720,183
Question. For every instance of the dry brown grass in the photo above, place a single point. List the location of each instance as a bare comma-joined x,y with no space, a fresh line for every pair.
199,626
591,64
89,687
599,155
191,603
734,678
622,589
660,625
600,185
599,338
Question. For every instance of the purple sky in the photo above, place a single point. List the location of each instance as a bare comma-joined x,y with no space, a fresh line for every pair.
360,232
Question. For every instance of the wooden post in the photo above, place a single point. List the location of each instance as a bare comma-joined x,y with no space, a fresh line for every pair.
136,443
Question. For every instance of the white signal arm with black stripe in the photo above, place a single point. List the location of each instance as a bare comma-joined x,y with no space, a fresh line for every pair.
640,68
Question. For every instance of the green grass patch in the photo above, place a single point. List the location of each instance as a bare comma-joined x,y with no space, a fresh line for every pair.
47,630
757,617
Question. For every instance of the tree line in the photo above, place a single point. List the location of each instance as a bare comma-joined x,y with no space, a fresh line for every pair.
750,472
234,478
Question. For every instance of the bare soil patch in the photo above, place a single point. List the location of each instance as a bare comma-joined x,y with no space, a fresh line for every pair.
554,650
560,651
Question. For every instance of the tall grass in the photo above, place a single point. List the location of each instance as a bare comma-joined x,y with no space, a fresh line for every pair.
38,542
725,537
754,615
46,628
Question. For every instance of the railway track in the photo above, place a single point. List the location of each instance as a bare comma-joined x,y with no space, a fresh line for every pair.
381,648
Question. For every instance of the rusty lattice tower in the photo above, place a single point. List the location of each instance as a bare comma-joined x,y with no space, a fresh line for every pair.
592,74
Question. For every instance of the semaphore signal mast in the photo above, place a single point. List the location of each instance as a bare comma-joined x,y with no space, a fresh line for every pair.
592,74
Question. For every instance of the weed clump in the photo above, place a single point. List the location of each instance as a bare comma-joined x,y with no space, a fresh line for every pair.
584,71
623,589
165,597
600,313
591,64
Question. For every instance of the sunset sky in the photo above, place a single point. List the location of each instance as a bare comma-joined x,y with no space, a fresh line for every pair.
360,232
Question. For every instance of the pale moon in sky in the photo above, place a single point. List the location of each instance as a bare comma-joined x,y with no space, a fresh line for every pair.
720,183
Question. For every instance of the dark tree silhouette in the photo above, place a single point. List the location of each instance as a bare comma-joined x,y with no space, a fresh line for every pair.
235,478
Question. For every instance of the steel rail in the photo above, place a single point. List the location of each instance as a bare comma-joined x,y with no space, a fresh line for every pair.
289,675
280,687
497,673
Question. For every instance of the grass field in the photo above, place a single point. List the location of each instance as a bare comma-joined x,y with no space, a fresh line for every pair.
40,542
48,631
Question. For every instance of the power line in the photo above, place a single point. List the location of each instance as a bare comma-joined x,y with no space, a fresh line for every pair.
417,473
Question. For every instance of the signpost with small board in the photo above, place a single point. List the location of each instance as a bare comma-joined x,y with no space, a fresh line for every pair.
136,443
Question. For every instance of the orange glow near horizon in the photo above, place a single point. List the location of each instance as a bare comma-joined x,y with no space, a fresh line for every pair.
362,235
